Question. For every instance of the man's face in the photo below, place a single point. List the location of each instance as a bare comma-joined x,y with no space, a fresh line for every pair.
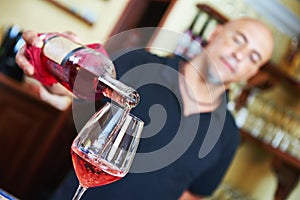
237,51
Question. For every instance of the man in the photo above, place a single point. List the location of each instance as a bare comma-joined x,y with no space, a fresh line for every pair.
191,138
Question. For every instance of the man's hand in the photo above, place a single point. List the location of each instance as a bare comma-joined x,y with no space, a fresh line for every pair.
51,94
30,38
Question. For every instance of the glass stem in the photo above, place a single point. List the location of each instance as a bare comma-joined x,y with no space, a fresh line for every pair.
79,192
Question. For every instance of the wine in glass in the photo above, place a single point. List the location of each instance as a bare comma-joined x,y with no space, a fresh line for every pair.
105,147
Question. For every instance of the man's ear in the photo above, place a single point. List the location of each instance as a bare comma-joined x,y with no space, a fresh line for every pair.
216,31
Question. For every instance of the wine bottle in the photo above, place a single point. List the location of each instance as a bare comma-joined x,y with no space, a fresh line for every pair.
196,45
186,39
87,73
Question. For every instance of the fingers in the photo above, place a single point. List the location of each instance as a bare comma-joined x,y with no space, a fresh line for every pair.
23,62
31,38
59,90
60,102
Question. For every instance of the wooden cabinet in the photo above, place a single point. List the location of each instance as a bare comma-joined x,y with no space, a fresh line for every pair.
35,141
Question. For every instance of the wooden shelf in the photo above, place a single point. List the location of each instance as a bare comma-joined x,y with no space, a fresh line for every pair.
276,72
212,12
285,166
276,152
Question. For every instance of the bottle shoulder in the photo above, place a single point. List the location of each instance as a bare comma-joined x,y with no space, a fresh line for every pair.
94,61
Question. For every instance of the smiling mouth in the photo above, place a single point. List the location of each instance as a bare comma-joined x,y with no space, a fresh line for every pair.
228,64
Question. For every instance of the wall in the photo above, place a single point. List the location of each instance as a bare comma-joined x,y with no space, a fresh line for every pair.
293,5
43,16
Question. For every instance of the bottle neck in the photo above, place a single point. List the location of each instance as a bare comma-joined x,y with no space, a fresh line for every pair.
118,91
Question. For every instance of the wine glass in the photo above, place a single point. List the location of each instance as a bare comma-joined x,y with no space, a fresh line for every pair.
105,147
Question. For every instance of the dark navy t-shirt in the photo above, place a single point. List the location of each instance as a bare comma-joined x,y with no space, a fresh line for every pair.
176,152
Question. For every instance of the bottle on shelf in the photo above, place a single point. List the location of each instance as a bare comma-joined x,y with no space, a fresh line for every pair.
186,39
86,72
197,38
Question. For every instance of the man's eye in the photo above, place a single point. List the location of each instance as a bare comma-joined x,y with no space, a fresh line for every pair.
238,39
254,58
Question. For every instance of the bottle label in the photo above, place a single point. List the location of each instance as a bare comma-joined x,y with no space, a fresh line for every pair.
57,48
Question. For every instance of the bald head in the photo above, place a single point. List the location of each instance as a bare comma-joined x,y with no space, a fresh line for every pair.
239,48
256,32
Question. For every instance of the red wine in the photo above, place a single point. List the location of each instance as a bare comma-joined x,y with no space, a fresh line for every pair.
85,72
92,174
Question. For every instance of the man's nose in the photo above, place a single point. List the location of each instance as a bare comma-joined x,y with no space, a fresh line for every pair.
239,53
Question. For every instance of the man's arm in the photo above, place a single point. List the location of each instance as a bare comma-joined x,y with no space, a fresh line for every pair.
187,195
